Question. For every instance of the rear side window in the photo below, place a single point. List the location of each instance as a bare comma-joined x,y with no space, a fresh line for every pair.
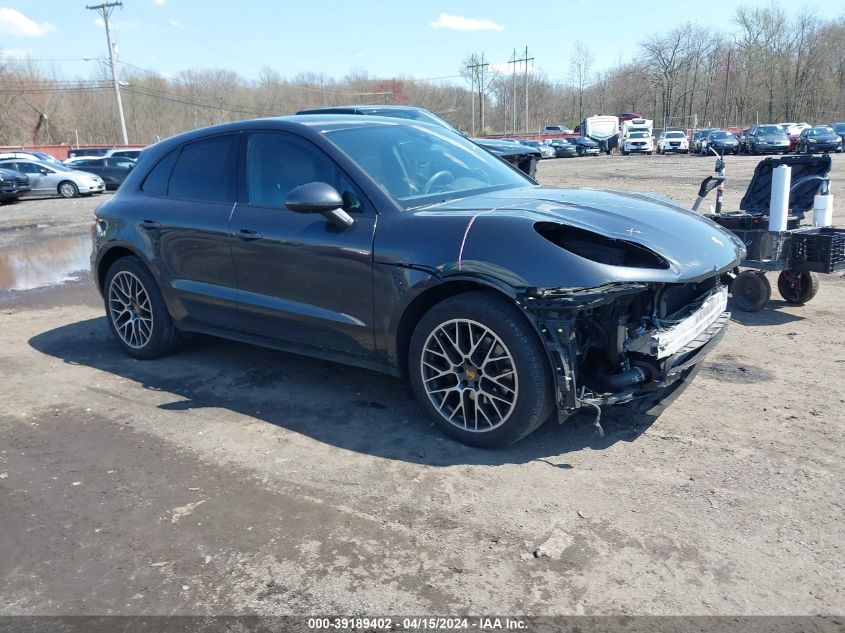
157,179
206,170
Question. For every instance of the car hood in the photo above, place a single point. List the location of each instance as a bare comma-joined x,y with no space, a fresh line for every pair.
825,138
494,234
770,138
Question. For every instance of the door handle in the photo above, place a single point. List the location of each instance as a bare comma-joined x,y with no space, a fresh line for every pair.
149,225
248,235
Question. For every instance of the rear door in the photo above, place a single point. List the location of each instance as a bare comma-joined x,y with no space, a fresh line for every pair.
301,279
191,193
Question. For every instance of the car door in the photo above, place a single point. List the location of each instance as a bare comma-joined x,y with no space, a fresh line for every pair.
190,195
302,280
38,180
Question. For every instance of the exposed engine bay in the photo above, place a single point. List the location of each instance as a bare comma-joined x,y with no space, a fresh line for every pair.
626,342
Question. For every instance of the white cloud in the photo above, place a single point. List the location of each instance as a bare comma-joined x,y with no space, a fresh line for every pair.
176,24
159,3
16,24
460,23
14,54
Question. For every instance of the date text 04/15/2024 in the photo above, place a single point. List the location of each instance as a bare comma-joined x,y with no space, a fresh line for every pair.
417,623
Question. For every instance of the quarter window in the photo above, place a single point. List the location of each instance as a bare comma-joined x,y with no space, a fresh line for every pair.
157,179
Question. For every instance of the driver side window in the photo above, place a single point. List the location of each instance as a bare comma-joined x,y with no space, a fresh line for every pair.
276,164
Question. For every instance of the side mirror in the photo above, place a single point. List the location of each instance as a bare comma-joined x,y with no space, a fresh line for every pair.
322,198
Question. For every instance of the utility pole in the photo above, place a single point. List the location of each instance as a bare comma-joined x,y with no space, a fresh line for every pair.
477,73
513,60
727,81
525,59
105,11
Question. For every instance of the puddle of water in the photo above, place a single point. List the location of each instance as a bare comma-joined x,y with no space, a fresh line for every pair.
46,263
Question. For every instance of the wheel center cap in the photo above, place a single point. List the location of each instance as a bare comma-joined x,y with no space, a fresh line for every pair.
470,373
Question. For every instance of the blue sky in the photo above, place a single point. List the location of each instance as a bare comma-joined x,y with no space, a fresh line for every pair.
421,39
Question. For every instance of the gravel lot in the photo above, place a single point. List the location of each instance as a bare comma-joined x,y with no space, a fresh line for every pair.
230,479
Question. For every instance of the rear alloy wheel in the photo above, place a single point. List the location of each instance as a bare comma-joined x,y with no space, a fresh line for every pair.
751,291
798,286
136,312
479,370
67,189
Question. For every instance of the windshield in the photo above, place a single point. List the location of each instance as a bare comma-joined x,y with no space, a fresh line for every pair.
769,130
839,127
413,163
820,131
675,135
532,143
638,135
716,135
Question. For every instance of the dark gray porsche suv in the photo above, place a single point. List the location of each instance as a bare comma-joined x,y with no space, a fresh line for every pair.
398,246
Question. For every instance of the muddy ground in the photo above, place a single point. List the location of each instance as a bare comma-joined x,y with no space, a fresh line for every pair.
231,479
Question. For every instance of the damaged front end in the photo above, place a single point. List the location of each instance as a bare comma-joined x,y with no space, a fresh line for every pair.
627,342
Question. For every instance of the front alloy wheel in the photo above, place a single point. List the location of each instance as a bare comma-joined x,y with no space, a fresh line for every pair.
469,375
479,370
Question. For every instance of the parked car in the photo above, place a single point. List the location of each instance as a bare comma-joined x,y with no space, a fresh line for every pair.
372,243
520,156
839,128
636,142
556,129
79,152
673,141
584,146
13,184
124,153
50,178
545,150
742,139
113,171
562,148
793,128
722,141
628,116
31,155
766,139
697,137
822,139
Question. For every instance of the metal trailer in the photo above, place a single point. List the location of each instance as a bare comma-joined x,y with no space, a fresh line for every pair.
799,253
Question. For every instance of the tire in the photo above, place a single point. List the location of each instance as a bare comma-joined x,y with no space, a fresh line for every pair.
751,291
523,395
67,189
798,286
131,290
582,152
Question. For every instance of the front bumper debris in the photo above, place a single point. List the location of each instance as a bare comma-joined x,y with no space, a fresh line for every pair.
615,344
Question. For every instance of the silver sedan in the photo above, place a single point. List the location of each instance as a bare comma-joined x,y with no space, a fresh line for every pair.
53,179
